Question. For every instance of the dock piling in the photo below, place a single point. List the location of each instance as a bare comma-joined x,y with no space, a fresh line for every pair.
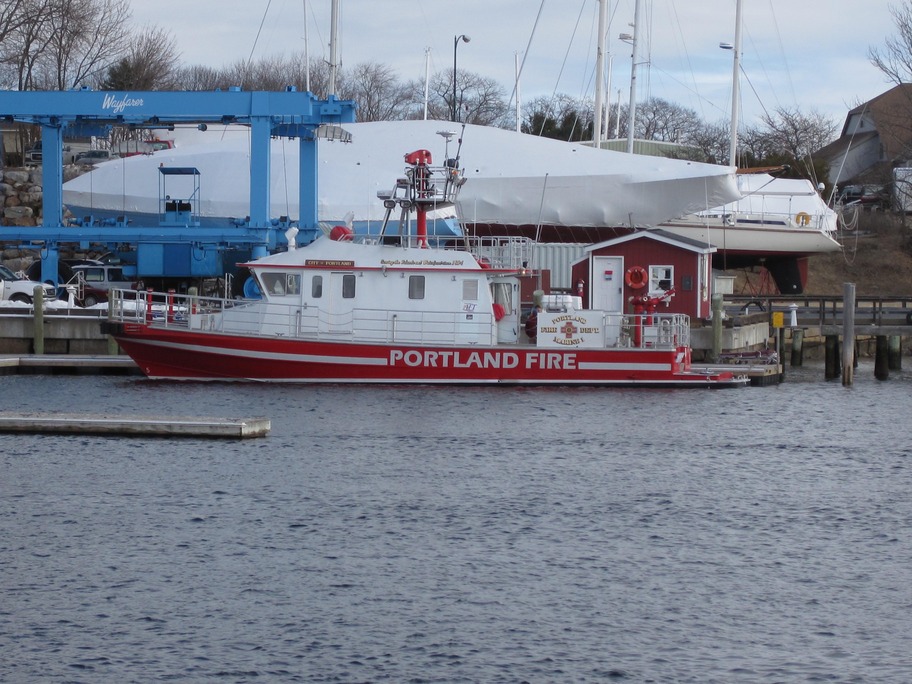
113,347
797,346
717,313
848,333
895,353
38,332
881,358
832,368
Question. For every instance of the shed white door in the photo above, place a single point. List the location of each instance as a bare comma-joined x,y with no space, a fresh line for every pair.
608,283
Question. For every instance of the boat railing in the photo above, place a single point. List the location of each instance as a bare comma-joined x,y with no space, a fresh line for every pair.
297,320
274,319
163,308
647,331
502,252
509,252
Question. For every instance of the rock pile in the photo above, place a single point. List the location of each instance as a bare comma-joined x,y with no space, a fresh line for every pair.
21,193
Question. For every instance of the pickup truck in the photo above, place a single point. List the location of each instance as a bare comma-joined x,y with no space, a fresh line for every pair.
71,151
16,289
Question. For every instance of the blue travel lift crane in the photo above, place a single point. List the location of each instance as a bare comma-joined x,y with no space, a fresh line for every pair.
179,241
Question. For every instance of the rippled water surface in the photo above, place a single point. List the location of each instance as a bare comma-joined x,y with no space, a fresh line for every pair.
463,535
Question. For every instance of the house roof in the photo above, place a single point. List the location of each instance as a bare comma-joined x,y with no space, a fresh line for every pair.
891,114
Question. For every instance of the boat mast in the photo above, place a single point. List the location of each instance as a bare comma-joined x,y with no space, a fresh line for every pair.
736,89
631,114
427,76
306,53
600,74
334,39
518,99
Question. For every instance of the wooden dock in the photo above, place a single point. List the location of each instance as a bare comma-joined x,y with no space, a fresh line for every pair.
133,426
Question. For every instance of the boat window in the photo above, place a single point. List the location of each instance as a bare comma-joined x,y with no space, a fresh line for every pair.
661,278
292,283
274,283
416,287
470,290
348,286
316,287
503,295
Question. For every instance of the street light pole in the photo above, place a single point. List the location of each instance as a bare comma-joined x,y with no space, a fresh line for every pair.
465,39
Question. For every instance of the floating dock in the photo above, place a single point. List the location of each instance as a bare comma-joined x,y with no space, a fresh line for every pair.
758,374
68,364
133,426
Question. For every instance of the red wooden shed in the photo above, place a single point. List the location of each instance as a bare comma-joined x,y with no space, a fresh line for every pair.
646,262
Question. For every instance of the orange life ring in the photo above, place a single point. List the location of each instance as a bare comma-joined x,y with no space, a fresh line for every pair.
636,277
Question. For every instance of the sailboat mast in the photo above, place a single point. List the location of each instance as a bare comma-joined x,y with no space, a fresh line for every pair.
333,40
306,53
600,73
631,115
736,89
518,98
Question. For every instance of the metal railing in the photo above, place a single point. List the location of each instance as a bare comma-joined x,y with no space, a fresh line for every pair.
261,317
828,309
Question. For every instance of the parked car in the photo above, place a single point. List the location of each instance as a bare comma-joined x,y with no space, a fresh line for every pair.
92,157
71,151
15,288
104,276
865,195
90,296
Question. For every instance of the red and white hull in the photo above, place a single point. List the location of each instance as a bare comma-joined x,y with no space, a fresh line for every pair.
170,353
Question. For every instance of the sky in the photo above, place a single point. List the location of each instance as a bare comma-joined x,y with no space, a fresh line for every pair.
810,55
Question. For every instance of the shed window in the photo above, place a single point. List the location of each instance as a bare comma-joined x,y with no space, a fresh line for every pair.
661,278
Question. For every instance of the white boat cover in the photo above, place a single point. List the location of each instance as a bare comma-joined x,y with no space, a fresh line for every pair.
512,178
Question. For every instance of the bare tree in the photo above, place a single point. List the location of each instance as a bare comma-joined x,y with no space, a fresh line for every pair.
59,44
796,134
12,17
86,36
379,93
197,77
151,63
479,100
895,59
26,41
712,141
755,145
658,119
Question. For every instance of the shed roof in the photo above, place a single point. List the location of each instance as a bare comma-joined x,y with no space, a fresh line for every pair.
658,235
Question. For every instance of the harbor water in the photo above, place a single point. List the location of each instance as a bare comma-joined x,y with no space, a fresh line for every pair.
422,534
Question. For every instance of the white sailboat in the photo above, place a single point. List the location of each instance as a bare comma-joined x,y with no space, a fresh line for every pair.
777,223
